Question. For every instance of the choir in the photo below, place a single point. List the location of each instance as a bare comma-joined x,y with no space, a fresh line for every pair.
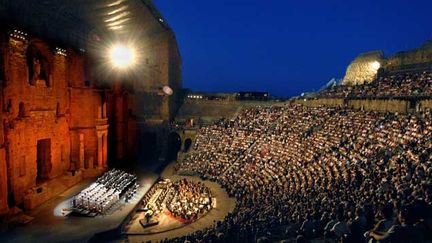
106,192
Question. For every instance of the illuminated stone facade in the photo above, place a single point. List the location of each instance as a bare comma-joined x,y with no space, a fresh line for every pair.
417,59
364,68
55,126
64,117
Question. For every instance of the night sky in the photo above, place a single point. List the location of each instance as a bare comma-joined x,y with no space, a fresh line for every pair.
287,47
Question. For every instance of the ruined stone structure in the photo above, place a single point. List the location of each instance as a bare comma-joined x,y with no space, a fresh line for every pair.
55,126
65,115
417,59
366,67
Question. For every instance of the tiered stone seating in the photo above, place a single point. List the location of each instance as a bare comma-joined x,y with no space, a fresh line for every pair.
411,84
295,170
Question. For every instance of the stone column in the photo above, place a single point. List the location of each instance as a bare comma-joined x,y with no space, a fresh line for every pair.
81,151
100,151
3,183
105,150
119,126
104,114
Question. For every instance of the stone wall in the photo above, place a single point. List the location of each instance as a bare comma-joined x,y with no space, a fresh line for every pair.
3,182
162,67
207,110
400,106
86,102
175,76
33,110
389,105
52,121
61,106
186,134
210,110
3,165
123,130
320,102
153,109
364,68
425,104
412,60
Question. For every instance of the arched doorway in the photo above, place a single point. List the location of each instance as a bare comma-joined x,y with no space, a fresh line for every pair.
187,145
174,146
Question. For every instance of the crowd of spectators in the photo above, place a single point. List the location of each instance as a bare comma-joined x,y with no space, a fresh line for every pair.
411,84
303,173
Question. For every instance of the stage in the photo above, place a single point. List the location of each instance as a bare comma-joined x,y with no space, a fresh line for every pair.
50,224
169,227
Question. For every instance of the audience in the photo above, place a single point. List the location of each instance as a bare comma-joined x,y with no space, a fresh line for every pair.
410,84
306,173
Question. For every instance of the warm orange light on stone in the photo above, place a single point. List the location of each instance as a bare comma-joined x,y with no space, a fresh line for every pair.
53,123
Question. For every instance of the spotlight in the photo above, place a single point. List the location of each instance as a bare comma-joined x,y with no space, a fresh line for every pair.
375,65
122,56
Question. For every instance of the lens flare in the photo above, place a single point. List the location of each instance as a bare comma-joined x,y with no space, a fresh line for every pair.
375,65
122,56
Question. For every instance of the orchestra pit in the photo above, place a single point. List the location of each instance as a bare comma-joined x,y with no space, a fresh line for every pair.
100,142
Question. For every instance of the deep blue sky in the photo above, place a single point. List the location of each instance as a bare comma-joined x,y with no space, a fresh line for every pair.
287,47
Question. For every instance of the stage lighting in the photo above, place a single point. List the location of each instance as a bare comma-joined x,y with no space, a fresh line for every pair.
122,56
167,90
375,65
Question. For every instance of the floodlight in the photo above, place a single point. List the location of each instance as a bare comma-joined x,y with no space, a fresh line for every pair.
122,56
375,65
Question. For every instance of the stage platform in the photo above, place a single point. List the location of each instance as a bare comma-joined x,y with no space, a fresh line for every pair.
168,227
162,223
50,224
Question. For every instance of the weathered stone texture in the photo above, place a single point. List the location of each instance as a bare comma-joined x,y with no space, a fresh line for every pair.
320,102
73,112
400,106
162,67
426,104
3,182
384,105
54,118
416,59
364,68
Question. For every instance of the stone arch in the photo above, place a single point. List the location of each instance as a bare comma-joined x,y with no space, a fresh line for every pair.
187,145
187,138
